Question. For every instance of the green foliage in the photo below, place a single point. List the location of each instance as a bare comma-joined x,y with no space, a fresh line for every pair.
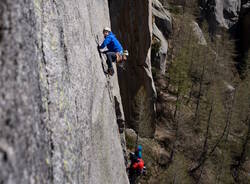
183,6
155,48
179,72
179,69
175,9
130,142
206,74
203,77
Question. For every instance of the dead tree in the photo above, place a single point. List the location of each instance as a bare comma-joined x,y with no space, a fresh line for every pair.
199,95
242,157
203,155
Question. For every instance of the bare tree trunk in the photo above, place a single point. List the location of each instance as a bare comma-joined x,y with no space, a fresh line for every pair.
199,179
192,62
184,6
190,73
229,115
228,119
207,130
203,156
174,144
177,101
242,156
176,121
205,142
219,140
199,95
190,94
244,147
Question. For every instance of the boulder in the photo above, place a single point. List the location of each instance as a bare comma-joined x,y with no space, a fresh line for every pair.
198,33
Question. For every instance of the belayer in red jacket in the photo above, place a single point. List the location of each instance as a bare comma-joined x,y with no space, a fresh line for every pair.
137,165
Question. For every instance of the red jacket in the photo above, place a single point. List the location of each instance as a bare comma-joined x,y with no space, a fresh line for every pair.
138,165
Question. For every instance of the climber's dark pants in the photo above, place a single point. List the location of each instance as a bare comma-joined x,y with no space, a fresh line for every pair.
111,57
132,176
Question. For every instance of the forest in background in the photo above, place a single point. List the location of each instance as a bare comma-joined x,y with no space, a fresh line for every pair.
203,107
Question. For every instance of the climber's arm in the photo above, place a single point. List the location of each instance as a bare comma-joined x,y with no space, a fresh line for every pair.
105,42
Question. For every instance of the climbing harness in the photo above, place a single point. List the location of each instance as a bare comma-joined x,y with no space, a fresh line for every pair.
121,59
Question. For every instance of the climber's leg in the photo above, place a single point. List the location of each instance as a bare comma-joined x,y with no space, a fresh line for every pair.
132,176
111,57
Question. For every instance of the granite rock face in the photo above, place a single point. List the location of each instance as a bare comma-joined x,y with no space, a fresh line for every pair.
162,18
224,13
162,28
221,13
232,15
244,26
133,27
58,119
161,56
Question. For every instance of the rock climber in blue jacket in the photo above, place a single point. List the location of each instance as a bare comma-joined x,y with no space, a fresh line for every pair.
115,51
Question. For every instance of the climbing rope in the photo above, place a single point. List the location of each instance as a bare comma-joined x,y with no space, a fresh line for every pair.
137,138
108,85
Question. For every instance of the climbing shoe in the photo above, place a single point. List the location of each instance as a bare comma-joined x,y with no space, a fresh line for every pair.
111,71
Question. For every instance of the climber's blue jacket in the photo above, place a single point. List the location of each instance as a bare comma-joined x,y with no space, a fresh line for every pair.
112,43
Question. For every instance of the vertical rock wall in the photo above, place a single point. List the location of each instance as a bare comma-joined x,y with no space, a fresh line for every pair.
224,13
131,21
57,112
244,27
24,140
221,13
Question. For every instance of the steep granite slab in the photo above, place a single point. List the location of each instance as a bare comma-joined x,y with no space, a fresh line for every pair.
24,140
58,120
